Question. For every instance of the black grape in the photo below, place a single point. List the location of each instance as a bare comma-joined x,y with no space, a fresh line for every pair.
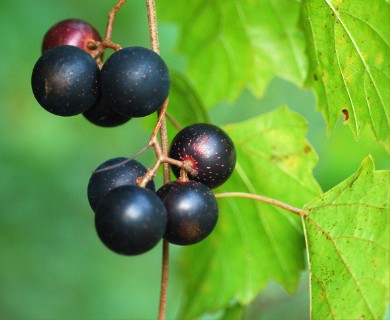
65,81
208,149
112,174
135,81
102,115
130,220
192,211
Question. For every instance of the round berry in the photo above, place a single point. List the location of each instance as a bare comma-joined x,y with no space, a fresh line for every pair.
112,174
102,115
135,81
208,149
192,211
73,32
65,81
130,220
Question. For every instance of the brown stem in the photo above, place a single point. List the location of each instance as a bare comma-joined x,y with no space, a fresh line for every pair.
154,43
165,150
164,280
185,166
161,119
111,19
161,159
152,22
98,47
262,199
143,181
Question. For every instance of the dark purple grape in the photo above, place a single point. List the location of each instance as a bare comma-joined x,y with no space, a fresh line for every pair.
135,81
73,32
65,81
102,115
130,220
208,149
192,211
112,174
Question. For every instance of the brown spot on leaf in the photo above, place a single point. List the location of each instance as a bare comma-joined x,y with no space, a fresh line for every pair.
307,149
346,114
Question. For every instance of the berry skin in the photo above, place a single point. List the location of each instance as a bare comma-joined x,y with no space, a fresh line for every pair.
112,174
73,32
209,150
192,211
130,220
65,81
102,115
135,81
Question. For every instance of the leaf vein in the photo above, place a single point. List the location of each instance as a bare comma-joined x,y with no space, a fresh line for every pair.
324,290
345,81
369,25
345,205
332,240
244,239
324,87
363,239
268,232
367,68
290,43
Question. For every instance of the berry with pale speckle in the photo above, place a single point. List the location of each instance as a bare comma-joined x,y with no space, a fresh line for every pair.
208,149
112,174
192,211
135,80
65,81
72,32
130,220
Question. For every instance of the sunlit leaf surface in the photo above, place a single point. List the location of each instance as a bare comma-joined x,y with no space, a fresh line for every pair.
235,44
348,240
349,54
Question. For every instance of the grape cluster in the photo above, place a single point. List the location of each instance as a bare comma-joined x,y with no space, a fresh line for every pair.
67,81
131,217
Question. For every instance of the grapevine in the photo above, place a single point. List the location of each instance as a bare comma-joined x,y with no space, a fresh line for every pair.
131,215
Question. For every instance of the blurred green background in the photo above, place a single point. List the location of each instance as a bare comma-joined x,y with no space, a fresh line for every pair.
52,266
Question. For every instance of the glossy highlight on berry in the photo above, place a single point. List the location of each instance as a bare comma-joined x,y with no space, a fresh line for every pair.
72,32
65,81
192,211
208,149
112,174
130,220
135,80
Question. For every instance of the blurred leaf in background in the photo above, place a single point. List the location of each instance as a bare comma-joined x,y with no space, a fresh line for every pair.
244,43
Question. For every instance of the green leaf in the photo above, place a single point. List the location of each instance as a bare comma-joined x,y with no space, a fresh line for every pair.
255,242
234,312
349,53
184,104
348,237
234,44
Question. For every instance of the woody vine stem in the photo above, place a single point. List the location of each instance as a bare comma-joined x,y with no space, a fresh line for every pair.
154,43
